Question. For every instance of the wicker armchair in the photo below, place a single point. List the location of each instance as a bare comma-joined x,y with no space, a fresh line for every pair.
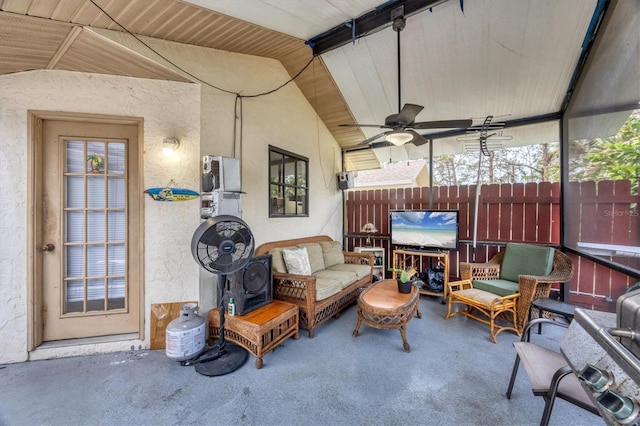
530,287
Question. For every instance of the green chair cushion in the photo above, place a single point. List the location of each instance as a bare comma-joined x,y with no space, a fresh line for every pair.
500,287
526,259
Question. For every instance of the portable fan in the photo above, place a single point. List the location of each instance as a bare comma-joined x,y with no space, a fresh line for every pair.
222,245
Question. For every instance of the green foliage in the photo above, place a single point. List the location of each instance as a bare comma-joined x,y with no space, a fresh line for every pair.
613,158
533,163
290,183
404,276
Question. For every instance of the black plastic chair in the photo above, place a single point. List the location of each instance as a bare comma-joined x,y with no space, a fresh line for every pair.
553,306
549,373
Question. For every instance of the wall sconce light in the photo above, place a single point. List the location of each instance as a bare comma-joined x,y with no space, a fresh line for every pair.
169,145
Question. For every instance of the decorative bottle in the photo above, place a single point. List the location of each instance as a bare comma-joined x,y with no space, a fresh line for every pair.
231,307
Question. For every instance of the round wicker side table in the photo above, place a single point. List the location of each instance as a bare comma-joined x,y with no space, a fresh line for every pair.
383,306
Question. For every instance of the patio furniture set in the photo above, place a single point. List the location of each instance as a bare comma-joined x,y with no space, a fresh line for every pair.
314,280
507,293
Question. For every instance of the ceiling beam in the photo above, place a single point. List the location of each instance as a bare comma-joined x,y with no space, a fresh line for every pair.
66,44
378,18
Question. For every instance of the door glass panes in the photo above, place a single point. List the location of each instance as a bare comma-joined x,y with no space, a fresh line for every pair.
115,163
95,223
116,259
95,191
74,296
116,193
95,157
95,260
75,191
75,226
116,293
95,226
74,256
115,226
75,157
95,295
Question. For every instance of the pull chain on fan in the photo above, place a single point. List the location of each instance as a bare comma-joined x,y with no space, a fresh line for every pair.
222,245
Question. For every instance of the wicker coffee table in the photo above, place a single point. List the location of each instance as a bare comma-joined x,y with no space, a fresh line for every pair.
383,306
259,331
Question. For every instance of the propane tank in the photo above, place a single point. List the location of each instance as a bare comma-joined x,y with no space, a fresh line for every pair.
185,334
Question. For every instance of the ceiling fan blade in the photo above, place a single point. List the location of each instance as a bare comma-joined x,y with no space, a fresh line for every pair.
417,138
363,125
408,113
442,124
382,144
371,139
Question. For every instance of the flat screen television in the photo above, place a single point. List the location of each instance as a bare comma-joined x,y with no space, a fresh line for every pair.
425,229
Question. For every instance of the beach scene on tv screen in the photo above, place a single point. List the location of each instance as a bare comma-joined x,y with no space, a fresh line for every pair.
425,229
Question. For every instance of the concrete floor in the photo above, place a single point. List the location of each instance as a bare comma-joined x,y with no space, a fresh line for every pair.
454,374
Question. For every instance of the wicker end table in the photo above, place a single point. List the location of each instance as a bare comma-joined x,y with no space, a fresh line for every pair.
259,331
383,306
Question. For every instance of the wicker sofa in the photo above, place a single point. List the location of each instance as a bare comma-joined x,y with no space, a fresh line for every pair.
335,281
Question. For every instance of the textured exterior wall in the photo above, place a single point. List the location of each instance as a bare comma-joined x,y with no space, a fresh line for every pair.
283,118
203,119
168,109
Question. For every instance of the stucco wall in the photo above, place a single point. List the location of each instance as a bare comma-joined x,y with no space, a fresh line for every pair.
283,118
168,109
203,119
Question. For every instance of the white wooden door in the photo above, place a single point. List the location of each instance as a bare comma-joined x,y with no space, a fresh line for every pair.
90,234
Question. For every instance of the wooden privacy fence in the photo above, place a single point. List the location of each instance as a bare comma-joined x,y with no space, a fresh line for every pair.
521,212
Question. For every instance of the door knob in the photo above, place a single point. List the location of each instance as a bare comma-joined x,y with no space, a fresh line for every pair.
48,247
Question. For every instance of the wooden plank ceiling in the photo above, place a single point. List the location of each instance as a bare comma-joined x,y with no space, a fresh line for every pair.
51,34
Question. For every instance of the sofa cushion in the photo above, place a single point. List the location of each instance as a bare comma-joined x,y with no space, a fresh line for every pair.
332,252
361,271
343,277
277,261
500,287
316,258
297,261
326,287
526,259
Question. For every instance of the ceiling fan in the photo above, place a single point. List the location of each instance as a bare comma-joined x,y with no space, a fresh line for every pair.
402,126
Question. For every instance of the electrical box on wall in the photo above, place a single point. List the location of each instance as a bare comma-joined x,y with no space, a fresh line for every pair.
345,180
220,203
221,188
220,174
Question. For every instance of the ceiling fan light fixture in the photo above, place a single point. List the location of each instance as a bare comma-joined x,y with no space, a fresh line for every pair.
399,138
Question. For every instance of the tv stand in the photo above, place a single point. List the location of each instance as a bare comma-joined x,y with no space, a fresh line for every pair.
420,250
414,258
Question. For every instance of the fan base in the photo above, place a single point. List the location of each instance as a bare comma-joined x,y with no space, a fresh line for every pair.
233,358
